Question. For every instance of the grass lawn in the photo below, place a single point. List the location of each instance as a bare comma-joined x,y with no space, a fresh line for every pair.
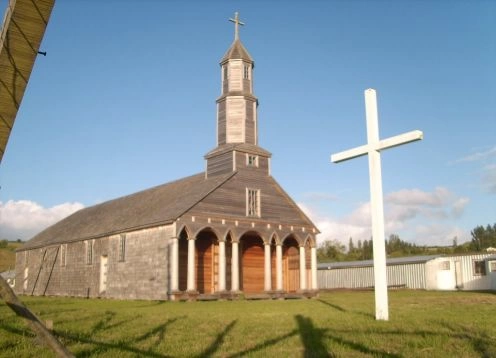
341,324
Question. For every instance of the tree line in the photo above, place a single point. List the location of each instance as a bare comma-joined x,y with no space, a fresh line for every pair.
334,250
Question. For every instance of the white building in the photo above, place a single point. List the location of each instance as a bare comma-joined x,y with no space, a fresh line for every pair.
437,272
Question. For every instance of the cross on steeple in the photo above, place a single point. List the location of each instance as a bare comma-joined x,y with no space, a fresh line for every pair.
236,25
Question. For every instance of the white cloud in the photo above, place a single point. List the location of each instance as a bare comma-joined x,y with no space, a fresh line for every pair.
23,219
421,217
478,156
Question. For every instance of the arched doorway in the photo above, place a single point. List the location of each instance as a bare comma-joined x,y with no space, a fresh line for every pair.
291,264
183,259
207,262
252,263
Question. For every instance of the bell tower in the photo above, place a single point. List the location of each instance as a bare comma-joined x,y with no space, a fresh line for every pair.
237,106
237,129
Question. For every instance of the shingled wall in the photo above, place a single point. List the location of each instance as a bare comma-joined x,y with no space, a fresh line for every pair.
143,274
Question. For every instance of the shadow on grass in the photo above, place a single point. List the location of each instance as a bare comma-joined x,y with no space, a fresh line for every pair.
218,341
312,338
336,307
123,346
264,344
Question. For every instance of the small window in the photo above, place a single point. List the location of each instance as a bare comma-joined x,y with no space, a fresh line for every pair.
479,268
492,266
252,160
89,252
253,202
444,265
63,250
246,72
122,247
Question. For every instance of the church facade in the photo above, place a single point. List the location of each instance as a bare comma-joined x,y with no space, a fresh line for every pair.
229,231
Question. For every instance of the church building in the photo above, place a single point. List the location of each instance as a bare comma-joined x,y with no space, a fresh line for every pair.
226,232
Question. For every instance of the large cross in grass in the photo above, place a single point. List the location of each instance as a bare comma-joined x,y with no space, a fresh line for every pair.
373,150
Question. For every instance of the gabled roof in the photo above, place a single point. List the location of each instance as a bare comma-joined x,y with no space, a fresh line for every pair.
159,205
236,51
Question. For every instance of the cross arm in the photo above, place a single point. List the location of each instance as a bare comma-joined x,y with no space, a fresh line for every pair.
350,154
400,139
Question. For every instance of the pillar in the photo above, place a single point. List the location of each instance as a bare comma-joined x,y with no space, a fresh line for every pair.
279,267
235,267
267,271
174,264
191,286
303,274
314,268
222,266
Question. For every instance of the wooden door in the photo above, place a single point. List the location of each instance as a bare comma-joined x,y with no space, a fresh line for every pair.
252,262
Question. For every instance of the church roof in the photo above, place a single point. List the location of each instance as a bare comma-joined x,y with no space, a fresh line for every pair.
236,51
158,205
241,147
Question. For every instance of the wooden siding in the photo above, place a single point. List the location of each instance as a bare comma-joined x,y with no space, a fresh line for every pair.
252,264
235,75
229,200
250,123
220,164
235,119
221,122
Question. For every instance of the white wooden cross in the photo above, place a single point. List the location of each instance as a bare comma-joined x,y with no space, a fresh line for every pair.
236,25
372,149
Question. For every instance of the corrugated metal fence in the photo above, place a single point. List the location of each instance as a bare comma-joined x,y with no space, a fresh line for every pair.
407,276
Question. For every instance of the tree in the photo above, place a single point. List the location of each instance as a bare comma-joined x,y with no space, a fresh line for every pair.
331,250
482,238
3,244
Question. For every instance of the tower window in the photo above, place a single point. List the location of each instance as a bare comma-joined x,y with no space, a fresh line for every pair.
253,202
246,72
252,160
122,247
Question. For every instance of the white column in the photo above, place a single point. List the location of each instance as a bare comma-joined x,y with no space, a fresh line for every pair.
303,274
267,271
314,268
234,267
222,266
279,267
191,286
377,209
174,264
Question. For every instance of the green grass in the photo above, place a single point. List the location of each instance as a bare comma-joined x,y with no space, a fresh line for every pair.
341,324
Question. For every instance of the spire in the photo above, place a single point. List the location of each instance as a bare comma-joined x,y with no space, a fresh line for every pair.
237,22
237,50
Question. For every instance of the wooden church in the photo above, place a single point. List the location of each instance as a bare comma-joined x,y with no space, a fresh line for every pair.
229,231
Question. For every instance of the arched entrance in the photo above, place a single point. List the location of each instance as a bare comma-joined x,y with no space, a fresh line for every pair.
183,260
291,264
207,262
252,263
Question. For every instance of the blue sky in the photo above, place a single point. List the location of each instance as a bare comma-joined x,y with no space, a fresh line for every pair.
125,100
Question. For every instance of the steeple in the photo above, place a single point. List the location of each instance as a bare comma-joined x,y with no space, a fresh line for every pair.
237,105
237,129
